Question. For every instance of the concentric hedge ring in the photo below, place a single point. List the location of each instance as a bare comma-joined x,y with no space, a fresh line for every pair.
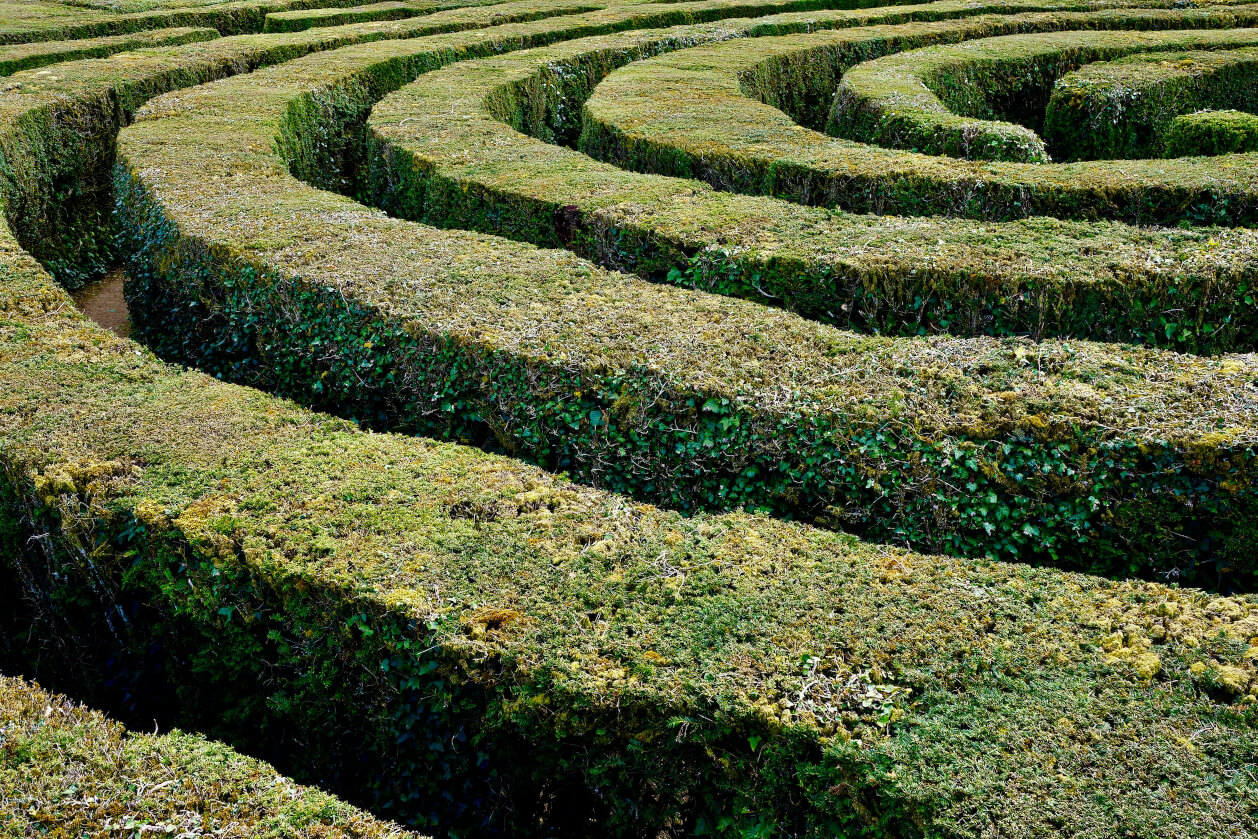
1061,278
480,647
898,101
642,124
612,379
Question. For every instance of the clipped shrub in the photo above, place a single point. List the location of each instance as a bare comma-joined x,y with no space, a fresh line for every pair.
1210,133
682,114
58,184
951,100
468,643
31,22
448,150
28,56
297,20
790,416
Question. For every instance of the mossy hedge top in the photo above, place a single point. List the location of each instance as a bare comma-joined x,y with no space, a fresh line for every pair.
1125,108
590,602
67,770
658,109
453,131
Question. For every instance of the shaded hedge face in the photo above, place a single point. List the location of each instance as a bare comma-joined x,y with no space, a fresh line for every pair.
783,483
1157,104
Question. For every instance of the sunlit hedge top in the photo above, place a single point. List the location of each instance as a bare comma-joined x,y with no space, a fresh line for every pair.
66,770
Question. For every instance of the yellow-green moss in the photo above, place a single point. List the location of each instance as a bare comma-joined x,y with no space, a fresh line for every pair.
684,114
1127,108
447,151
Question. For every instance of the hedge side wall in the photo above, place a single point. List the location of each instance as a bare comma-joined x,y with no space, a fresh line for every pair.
29,56
1212,132
296,21
1125,108
452,636
682,114
448,634
58,184
985,100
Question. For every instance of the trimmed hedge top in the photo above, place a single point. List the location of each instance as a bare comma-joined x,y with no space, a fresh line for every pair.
697,665
950,99
66,770
468,641
294,21
28,56
447,155
1212,132
25,21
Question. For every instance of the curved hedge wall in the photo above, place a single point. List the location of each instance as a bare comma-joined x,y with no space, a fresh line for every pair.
628,398
445,152
478,647
947,100
459,638
636,121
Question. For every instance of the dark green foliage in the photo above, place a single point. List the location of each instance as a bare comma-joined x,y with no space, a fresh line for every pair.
913,279
1065,496
479,647
1210,133
1128,108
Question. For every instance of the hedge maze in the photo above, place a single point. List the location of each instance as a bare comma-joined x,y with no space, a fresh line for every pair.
742,418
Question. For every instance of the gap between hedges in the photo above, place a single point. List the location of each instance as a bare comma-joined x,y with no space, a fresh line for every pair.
668,125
